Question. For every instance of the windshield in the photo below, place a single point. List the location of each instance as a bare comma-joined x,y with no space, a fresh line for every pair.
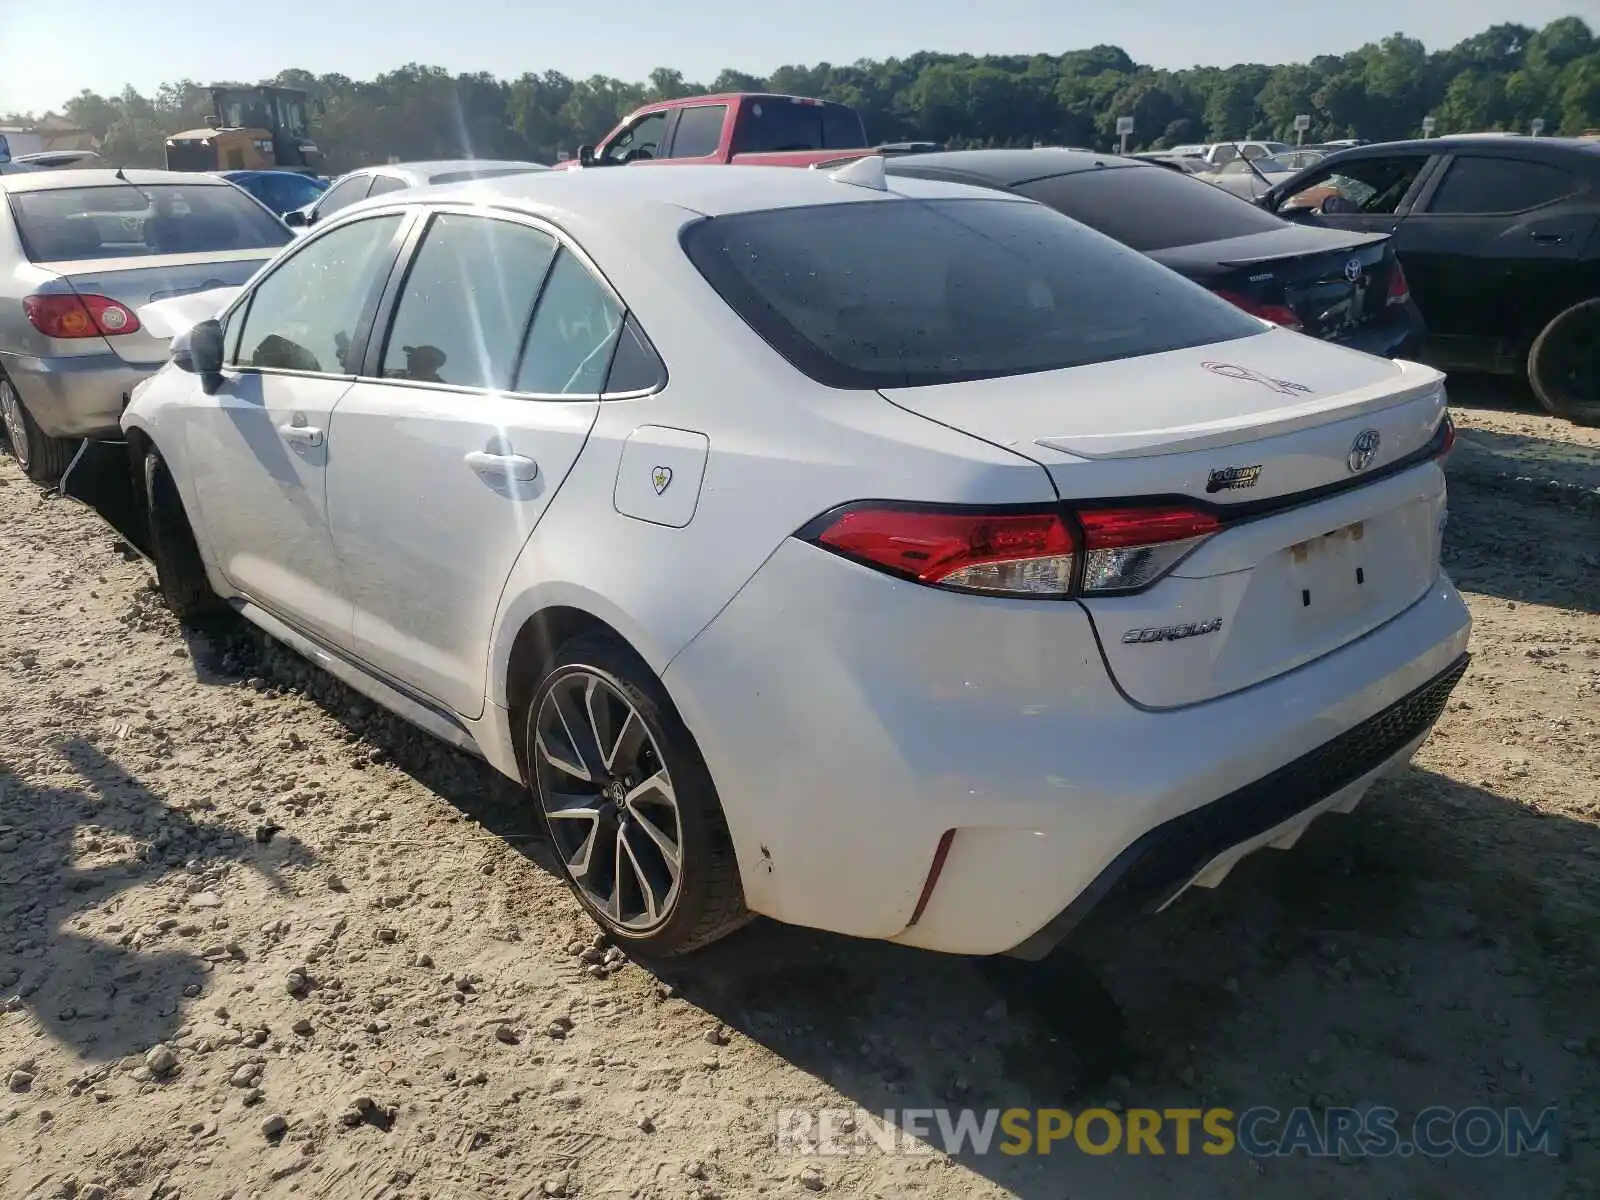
1151,209
902,293
71,224
291,114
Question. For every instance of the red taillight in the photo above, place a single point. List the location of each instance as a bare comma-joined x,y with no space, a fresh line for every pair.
1129,548
1278,314
1446,436
74,316
1027,554
1399,289
1004,553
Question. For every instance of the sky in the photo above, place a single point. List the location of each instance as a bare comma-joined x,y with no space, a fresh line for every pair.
50,51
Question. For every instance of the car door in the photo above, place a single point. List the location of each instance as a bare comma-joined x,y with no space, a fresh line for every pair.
476,404
1493,250
641,141
259,445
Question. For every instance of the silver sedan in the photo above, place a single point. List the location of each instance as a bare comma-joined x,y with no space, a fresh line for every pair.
80,252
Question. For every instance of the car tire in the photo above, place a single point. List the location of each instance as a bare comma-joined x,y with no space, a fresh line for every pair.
180,571
1564,364
614,828
44,459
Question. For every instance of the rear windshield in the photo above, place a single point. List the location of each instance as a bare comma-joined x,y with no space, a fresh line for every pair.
1151,209
69,224
767,125
902,293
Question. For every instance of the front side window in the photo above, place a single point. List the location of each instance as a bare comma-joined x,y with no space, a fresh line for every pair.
383,184
303,315
342,195
642,139
699,131
1498,186
573,334
124,221
1371,185
466,302
902,293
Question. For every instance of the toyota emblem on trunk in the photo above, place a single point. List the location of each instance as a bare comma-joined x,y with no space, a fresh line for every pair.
1363,450
1352,270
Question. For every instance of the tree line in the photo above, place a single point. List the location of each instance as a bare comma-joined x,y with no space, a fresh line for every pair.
1501,79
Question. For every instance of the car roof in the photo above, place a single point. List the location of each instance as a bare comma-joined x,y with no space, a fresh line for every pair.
615,193
88,177
1007,168
442,165
1553,147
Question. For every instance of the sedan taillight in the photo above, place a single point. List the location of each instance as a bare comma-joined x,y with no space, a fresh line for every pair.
70,315
1278,314
1042,554
1399,289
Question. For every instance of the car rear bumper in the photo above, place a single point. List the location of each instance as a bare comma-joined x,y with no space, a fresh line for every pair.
1401,335
81,396
852,721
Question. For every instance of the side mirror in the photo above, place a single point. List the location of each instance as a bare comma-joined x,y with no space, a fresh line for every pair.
586,156
199,351
297,218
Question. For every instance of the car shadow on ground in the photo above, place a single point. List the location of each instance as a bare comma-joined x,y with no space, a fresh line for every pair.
1543,552
79,845
1381,960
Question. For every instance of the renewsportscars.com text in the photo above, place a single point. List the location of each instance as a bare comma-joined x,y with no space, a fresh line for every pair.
1261,1132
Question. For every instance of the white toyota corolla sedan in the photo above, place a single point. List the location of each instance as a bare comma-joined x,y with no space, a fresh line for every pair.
888,557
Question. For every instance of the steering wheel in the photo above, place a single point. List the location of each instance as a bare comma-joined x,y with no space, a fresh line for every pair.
637,153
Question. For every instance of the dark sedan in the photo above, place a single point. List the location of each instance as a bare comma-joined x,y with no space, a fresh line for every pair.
1342,287
1500,237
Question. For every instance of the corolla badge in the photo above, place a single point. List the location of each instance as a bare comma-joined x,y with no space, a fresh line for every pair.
1363,450
1352,270
1233,371
660,478
1171,633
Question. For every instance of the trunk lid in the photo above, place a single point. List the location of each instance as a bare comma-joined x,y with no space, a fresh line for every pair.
135,282
1333,281
1315,458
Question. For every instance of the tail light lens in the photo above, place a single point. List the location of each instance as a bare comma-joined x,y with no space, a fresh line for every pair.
1446,436
1043,554
1278,314
1399,289
1129,548
1001,553
73,316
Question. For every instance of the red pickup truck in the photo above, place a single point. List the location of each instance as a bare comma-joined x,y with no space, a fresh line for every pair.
733,127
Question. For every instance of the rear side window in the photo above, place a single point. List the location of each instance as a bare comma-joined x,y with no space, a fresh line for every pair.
64,224
1151,209
900,293
1499,185
573,333
699,131
466,302
774,124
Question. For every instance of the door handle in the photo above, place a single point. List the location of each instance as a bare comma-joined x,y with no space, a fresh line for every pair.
304,435
514,466
1548,239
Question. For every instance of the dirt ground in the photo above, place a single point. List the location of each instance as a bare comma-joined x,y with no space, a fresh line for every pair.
257,938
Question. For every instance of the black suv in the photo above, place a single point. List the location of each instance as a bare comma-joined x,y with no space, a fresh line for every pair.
1500,239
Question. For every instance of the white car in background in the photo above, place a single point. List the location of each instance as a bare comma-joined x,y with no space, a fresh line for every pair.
371,182
885,556
1249,178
